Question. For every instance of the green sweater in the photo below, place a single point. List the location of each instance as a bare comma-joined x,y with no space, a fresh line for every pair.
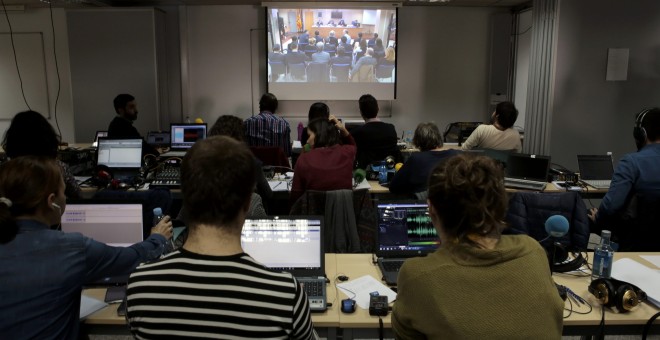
462,292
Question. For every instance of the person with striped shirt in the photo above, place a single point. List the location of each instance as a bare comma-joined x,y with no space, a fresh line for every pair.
210,288
268,129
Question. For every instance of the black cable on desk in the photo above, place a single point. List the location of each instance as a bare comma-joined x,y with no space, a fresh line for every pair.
648,325
381,330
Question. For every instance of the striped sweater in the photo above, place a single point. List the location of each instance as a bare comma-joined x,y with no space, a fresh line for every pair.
189,295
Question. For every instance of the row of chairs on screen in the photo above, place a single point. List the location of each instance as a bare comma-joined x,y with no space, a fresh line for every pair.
322,72
332,50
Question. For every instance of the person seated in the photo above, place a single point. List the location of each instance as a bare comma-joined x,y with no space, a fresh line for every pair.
329,163
343,41
341,58
294,42
341,23
359,50
348,37
318,36
379,49
629,209
266,128
390,57
122,125
320,56
372,41
500,135
319,23
316,111
30,134
367,59
331,23
355,23
211,278
375,139
44,269
332,40
413,176
276,55
467,206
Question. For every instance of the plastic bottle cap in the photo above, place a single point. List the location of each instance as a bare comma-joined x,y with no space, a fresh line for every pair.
606,233
158,211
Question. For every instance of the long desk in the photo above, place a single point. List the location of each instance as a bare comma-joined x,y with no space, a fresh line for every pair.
360,324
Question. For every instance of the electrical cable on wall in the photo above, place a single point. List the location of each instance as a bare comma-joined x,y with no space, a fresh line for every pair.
13,47
57,68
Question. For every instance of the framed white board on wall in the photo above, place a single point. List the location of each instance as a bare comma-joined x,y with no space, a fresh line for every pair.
32,64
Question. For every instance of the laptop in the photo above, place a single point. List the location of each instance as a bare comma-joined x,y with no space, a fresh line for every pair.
158,138
122,156
99,134
293,244
529,172
183,137
115,224
404,231
596,170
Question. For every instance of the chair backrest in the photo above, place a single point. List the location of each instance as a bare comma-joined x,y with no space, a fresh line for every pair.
297,70
277,67
271,155
340,72
317,72
384,71
528,212
364,75
636,228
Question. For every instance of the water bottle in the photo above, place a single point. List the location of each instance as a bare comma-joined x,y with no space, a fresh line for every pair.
603,257
187,122
301,127
382,173
158,215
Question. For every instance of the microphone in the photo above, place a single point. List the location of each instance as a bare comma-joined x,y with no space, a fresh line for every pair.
556,226
359,175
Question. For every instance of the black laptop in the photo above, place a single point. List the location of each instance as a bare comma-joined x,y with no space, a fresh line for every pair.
99,134
596,170
112,223
524,171
293,244
123,157
404,231
183,137
158,138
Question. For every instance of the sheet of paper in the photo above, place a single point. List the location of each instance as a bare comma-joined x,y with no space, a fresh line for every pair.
363,185
277,185
648,279
362,286
296,144
89,305
655,259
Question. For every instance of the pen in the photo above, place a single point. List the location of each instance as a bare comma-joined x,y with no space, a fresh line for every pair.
276,185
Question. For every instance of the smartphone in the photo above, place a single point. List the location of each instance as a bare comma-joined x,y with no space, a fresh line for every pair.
115,293
121,310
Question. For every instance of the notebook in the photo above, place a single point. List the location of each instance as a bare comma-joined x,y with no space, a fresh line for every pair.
293,244
158,138
404,230
529,172
115,224
122,156
183,137
99,134
596,170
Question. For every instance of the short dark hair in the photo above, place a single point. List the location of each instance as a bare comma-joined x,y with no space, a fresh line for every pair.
467,192
427,136
506,114
217,180
294,38
318,110
277,47
122,100
316,33
343,39
651,123
228,125
368,106
26,182
30,134
325,133
268,102
341,50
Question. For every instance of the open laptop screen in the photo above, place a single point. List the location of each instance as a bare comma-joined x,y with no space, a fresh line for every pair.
406,228
120,153
184,136
596,167
288,243
529,167
115,224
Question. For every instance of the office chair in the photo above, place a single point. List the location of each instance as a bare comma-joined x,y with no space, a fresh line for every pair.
340,72
297,71
317,73
364,75
277,69
384,73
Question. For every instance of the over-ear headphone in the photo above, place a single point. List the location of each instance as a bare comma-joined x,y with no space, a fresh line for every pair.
102,176
620,296
639,133
559,256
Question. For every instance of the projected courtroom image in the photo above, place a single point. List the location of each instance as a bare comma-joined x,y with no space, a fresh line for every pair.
331,45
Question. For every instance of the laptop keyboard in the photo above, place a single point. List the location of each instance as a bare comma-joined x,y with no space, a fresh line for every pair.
392,266
599,184
523,184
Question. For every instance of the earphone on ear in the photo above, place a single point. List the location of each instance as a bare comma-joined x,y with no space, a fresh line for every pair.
57,206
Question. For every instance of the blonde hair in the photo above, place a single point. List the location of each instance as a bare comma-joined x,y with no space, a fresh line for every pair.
390,54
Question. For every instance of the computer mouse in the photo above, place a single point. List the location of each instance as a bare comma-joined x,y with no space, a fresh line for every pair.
348,306
342,278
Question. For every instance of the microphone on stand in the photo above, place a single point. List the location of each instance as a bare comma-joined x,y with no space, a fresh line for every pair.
557,226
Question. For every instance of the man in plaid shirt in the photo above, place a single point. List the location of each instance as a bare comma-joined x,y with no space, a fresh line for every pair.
267,129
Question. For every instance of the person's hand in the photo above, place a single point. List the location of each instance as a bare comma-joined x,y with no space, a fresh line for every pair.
164,227
592,214
339,125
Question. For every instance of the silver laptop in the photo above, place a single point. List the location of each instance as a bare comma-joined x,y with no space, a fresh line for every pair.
122,156
293,244
99,134
183,137
404,231
115,224
596,170
528,172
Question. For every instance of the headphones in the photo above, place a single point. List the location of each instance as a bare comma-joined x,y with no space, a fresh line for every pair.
620,296
639,133
557,259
